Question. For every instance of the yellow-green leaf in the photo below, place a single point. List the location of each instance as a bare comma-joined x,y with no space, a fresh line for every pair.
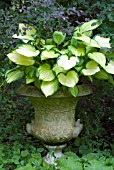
69,80
14,75
110,67
58,37
90,25
49,88
27,50
67,63
91,68
48,54
74,90
103,42
45,72
98,57
20,59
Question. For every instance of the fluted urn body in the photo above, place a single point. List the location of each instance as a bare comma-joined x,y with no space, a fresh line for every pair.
54,121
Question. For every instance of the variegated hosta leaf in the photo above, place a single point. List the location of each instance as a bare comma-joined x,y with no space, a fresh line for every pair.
49,88
80,51
20,59
102,75
74,91
87,41
83,38
45,72
48,54
26,33
67,63
91,68
58,37
93,43
110,67
14,75
90,25
103,42
25,38
25,28
98,57
27,50
57,69
69,80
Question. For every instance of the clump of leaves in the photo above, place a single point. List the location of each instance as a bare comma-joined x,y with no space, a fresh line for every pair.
58,61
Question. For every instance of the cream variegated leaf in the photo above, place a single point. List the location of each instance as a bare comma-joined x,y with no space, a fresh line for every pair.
103,42
67,63
110,67
49,88
70,79
49,54
20,59
98,57
91,68
46,73
27,50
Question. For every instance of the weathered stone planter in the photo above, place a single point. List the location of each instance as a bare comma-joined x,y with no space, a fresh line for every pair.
54,122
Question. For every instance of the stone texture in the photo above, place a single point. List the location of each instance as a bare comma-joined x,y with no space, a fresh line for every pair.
54,121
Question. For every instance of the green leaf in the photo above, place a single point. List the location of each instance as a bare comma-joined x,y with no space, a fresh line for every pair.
27,50
69,80
14,75
49,88
103,42
97,165
69,163
48,54
30,71
88,26
45,73
98,57
110,67
37,83
74,90
49,47
67,63
91,68
102,75
58,69
80,51
64,51
20,59
30,79
58,37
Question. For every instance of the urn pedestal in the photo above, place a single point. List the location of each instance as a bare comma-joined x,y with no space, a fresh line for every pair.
54,121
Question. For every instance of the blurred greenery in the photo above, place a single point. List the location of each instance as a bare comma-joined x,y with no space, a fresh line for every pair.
20,151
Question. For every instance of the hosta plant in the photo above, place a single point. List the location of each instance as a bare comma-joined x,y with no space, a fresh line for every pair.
61,61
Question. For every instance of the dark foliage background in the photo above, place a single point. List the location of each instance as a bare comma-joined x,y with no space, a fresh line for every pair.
95,111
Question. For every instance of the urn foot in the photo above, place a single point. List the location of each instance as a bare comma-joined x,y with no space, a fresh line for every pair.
55,152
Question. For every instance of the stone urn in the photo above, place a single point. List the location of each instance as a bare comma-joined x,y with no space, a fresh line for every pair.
54,121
